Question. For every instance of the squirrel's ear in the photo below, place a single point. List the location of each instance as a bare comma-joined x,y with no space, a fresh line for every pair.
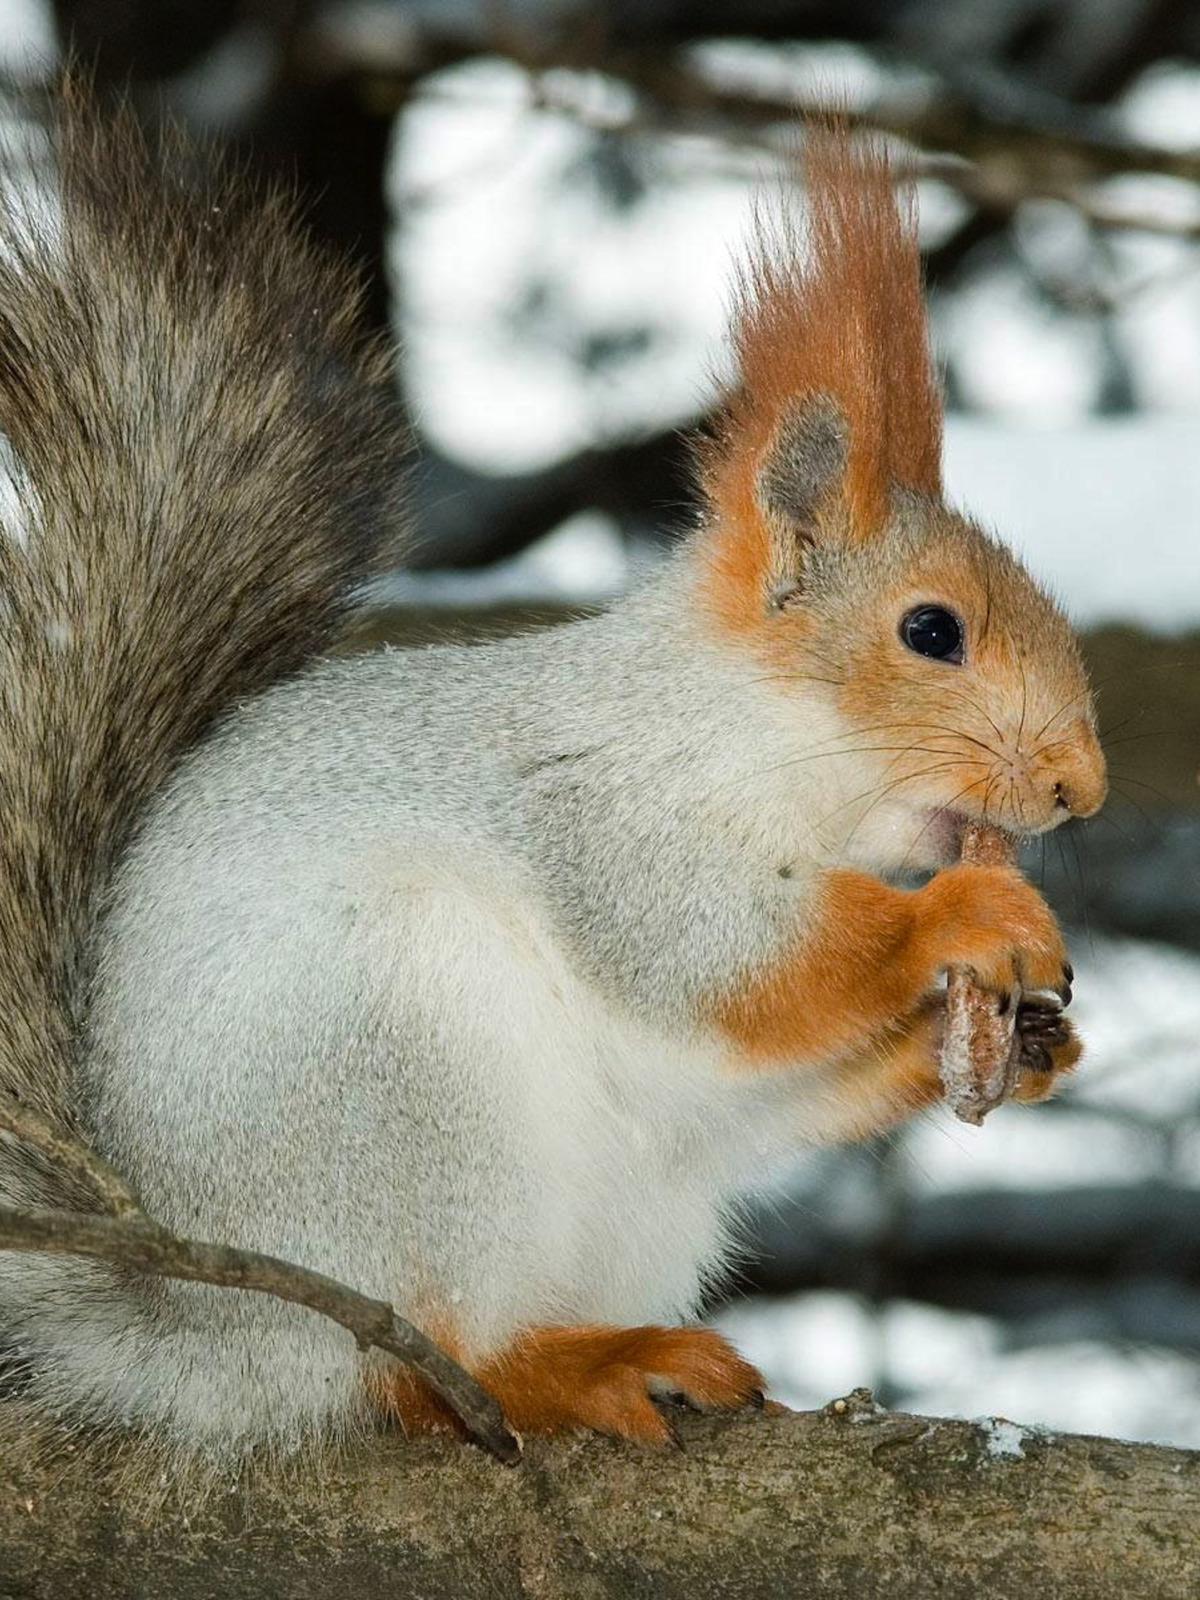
835,403
800,483
772,504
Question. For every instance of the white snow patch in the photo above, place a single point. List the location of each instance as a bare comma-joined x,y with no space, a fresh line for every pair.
512,261
1102,511
582,561
807,1346
1137,1006
1024,1147
1002,1438
1163,105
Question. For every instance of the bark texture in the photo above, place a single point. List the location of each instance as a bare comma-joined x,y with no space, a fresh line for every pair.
849,1503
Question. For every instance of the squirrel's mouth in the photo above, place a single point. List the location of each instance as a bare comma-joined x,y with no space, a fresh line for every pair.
941,837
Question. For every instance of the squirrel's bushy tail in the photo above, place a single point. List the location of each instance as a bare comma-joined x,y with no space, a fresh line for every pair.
205,460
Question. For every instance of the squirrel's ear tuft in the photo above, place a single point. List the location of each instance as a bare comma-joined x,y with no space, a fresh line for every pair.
835,401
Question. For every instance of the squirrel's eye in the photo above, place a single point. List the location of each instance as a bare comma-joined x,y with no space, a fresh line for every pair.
932,631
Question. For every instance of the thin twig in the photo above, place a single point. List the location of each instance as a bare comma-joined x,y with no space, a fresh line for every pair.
65,1150
137,1242
128,1237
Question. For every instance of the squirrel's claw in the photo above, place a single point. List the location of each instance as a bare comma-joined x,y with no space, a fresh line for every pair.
1048,1045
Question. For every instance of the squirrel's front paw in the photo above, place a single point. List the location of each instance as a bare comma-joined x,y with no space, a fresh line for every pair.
991,920
607,1379
1049,1047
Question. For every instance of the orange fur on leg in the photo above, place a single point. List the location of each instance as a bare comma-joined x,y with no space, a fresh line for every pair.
398,1394
897,1073
872,954
558,1379
553,1380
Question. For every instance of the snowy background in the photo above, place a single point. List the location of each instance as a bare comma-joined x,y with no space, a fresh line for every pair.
559,274
510,260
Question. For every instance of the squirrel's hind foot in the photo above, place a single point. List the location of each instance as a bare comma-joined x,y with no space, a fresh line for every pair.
605,1379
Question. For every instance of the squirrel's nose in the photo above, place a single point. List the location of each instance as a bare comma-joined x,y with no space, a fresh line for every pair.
1078,779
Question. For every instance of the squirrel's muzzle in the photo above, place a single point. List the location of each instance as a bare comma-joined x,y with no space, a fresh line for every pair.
1072,774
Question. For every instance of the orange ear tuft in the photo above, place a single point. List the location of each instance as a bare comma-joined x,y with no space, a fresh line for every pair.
836,315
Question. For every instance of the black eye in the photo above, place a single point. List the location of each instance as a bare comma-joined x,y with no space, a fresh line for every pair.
931,631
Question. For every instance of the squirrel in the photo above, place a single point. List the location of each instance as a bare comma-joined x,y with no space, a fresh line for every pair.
485,979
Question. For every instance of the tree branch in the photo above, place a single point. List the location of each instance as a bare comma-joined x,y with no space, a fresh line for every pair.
849,1503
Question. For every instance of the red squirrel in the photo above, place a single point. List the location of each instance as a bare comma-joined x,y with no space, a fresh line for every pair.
486,980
